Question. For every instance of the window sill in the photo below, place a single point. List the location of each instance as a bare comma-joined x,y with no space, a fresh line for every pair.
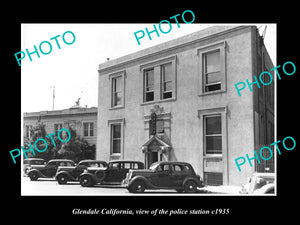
117,107
216,156
212,93
159,101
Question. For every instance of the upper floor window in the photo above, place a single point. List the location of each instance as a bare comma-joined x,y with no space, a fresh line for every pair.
149,85
212,71
166,81
159,79
212,68
116,91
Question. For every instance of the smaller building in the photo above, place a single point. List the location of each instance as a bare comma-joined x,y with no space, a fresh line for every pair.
81,119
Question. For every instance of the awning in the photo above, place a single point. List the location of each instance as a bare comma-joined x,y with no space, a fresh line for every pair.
155,143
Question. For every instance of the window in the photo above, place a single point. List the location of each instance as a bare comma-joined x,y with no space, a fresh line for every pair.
57,127
116,138
166,81
116,91
88,129
28,128
177,168
213,134
149,85
212,68
159,80
212,71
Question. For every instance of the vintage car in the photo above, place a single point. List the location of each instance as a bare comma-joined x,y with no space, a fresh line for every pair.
259,183
27,163
164,175
71,173
114,173
48,170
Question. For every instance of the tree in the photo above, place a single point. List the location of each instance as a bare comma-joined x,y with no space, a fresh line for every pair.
75,149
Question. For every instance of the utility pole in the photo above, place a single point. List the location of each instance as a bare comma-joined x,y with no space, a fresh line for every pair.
53,87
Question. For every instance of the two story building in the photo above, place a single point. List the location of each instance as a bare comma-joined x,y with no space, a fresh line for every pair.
188,83
82,119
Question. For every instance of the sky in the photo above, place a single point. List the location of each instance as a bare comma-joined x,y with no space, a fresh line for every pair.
73,68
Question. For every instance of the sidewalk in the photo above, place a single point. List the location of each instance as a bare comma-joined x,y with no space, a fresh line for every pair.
223,189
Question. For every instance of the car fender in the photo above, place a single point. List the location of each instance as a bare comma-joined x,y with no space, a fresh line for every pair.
198,182
65,173
36,171
87,174
147,182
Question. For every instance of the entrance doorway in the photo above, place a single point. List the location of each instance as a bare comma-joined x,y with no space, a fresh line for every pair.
152,157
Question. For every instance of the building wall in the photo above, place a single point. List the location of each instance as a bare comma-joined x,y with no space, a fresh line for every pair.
73,117
184,114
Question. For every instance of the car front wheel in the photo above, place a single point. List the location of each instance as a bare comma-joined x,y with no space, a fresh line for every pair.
86,181
62,179
137,186
190,186
33,176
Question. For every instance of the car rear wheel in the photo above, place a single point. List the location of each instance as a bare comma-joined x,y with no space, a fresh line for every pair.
137,186
86,181
190,186
62,179
33,176
100,175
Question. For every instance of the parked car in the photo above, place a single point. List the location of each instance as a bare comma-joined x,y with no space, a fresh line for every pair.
71,173
164,175
114,173
48,170
259,183
27,163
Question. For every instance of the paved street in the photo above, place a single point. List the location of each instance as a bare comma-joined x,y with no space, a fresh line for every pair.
49,186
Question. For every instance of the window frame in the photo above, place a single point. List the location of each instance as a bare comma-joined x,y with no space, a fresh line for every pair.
163,81
111,123
112,77
145,87
205,135
90,129
201,53
157,67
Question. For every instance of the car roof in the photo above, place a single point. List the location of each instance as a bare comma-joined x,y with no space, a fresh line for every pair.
29,159
125,161
91,160
174,162
61,160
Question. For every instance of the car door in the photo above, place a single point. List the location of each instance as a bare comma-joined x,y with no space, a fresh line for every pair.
51,169
79,169
178,175
162,177
113,172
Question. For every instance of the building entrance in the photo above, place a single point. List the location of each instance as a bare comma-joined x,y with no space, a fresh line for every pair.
155,150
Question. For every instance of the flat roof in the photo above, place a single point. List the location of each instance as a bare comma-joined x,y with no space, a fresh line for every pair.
169,45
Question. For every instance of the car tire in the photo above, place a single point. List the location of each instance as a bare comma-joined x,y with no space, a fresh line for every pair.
62,179
190,186
100,175
86,181
137,186
33,176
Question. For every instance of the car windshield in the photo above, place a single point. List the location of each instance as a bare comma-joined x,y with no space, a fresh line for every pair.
153,166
